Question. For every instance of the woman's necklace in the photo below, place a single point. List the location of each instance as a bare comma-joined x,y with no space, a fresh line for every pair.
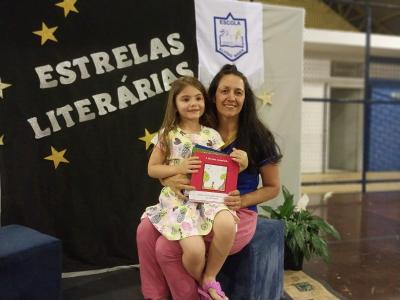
231,137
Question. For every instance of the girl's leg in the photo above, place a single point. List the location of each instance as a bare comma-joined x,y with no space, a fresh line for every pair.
193,258
169,257
245,230
153,283
221,244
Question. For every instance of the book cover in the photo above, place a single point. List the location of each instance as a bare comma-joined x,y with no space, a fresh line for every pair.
216,177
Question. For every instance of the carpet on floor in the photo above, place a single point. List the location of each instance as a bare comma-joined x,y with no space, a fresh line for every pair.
300,286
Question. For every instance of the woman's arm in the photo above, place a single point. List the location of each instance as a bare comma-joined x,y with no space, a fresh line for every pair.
270,189
177,184
157,169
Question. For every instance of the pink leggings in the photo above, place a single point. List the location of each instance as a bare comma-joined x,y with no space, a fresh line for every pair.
161,269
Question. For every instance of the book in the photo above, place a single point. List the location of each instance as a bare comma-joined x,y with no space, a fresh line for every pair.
216,177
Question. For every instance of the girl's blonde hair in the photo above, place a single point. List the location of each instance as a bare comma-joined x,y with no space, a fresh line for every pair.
171,117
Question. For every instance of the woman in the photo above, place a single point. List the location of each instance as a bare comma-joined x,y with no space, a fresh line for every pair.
232,105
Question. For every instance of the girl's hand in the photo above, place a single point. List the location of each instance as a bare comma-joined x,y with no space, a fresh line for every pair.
177,184
189,165
241,158
233,200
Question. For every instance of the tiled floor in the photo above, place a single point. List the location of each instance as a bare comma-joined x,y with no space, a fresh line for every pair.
117,285
366,261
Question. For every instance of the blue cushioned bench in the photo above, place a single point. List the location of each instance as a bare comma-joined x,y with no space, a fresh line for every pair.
30,264
256,272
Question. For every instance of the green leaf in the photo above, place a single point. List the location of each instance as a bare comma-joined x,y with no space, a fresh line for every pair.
206,176
287,208
291,243
286,193
325,227
306,252
299,238
273,213
320,247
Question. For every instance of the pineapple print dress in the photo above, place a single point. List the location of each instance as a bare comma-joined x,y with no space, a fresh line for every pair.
175,218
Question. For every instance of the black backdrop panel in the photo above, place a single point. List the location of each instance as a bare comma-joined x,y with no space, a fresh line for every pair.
90,95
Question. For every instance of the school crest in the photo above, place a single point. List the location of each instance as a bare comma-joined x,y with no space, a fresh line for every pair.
230,36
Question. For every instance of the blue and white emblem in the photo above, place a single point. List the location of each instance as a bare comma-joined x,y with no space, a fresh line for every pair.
230,36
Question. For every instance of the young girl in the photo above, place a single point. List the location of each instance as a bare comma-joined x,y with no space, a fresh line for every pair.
178,219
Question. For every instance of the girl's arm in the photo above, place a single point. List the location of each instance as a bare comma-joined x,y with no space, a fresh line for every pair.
157,169
269,190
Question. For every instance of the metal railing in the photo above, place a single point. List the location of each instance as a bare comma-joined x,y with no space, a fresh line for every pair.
367,101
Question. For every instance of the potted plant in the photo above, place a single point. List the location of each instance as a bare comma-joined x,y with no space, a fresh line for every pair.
304,232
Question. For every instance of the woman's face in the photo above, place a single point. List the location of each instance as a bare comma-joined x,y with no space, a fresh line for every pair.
229,97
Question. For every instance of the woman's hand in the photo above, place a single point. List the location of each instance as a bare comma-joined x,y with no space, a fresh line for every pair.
241,158
177,184
233,200
189,165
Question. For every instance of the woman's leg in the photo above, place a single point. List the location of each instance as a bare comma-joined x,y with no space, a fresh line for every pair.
245,229
223,237
194,256
181,284
169,256
153,283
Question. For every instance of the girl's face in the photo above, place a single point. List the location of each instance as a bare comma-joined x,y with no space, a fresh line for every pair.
190,104
229,97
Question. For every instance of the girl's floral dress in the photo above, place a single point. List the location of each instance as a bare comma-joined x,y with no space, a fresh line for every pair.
175,218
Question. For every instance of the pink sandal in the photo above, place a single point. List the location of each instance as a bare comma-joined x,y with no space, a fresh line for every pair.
203,292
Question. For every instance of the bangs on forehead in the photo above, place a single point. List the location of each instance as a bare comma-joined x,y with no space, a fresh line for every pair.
182,91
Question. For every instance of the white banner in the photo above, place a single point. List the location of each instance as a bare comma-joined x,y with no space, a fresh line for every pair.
230,32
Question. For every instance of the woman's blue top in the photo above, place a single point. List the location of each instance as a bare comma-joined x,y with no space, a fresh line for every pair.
247,181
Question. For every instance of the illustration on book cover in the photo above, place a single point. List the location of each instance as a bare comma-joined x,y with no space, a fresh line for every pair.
214,177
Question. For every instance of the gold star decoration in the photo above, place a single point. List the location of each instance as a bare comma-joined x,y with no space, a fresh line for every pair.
46,33
68,6
57,157
265,98
3,86
2,140
147,137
